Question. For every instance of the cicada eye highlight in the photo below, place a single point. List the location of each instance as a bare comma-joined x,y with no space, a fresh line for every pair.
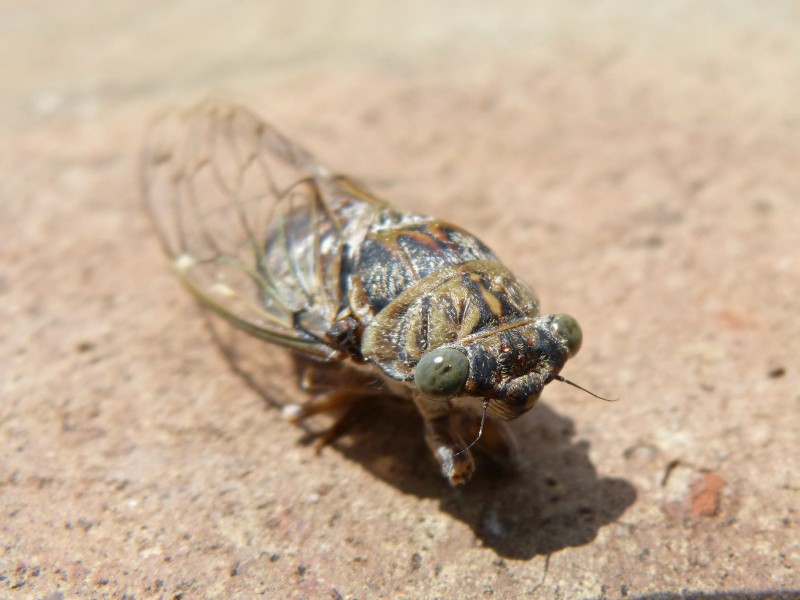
441,373
567,328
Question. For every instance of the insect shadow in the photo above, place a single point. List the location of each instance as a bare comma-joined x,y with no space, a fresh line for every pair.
553,500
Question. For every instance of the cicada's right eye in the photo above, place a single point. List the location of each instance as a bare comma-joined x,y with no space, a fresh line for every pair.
441,373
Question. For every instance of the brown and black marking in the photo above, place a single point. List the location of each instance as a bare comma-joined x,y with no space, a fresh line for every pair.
392,258
445,308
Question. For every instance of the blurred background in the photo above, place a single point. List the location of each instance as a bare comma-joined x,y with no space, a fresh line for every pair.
635,163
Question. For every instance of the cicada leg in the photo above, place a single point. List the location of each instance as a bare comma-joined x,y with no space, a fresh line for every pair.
450,450
322,377
330,395
327,402
444,441
342,401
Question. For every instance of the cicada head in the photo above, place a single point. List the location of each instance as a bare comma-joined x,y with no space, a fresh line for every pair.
508,367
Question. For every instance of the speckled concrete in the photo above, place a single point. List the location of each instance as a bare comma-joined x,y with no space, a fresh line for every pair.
637,165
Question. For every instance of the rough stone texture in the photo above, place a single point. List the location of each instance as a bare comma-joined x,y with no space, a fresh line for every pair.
637,164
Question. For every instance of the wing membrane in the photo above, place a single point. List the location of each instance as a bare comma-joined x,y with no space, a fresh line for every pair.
244,214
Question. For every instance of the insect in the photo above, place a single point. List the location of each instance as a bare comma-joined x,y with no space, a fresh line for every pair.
400,304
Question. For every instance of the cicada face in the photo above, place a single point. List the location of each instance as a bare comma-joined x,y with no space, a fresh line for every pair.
508,368
285,249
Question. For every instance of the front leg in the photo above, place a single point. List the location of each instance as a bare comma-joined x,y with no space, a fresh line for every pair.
450,451
445,443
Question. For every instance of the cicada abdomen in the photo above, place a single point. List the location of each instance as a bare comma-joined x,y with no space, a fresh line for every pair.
295,254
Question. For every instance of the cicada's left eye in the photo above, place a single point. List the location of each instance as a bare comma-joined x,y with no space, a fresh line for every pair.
441,373
567,328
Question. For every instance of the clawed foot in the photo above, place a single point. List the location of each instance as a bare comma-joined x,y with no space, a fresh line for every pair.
454,455
450,451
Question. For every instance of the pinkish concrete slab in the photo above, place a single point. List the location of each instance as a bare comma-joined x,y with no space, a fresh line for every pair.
637,165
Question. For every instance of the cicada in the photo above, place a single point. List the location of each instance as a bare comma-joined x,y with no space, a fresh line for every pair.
401,304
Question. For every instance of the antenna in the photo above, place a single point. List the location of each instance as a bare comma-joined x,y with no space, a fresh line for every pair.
480,429
583,389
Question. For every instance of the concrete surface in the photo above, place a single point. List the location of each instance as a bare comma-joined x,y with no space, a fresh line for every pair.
636,163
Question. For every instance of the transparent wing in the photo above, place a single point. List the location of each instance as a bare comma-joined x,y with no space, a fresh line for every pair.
244,214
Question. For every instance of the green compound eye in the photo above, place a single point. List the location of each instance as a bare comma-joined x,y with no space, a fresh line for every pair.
567,329
441,373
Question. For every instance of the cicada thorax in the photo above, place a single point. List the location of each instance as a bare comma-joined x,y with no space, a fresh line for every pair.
405,249
423,284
